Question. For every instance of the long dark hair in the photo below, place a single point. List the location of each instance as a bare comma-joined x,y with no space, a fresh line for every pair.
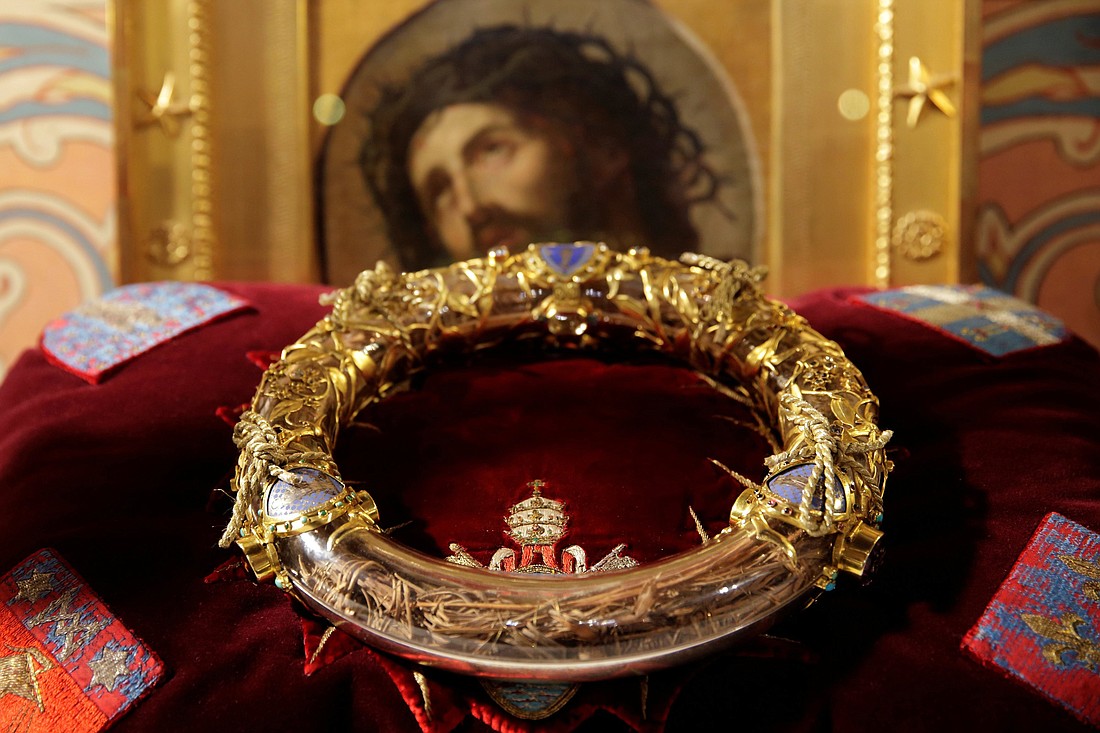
576,79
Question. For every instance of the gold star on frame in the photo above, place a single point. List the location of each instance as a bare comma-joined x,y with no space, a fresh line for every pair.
924,88
162,111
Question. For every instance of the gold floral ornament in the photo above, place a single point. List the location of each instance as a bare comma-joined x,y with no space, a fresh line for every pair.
815,513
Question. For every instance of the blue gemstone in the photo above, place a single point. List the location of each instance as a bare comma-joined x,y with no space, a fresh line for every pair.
567,259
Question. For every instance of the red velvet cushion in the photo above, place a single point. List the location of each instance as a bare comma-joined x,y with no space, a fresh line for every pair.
125,479
625,446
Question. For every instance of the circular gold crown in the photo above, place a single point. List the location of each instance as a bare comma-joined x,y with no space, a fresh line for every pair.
537,520
814,515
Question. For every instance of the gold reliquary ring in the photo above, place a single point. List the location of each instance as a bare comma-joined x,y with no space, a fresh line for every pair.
814,514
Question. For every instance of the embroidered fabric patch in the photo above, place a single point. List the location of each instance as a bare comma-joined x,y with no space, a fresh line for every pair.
66,663
987,319
1043,624
101,334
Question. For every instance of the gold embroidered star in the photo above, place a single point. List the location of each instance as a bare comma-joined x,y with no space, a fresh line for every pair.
108,666
34,587
162,111
924,88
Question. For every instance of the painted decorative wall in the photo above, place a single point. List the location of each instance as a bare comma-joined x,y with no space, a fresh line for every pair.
1038,233
57,180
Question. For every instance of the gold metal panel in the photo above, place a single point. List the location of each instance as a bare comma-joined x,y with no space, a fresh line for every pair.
822,211
937,58
214,172
856,190
163,140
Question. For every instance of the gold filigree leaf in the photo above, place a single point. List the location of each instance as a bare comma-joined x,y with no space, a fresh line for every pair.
614,280
795,390
462,304
285,408
843,409
867,411
301,356
337,381
630,307
685,305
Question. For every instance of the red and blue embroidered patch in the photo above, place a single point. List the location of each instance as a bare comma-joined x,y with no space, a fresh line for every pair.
986,319
66,663
1043,625
101,334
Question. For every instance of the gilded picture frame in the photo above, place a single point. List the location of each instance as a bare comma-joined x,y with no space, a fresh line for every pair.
222,134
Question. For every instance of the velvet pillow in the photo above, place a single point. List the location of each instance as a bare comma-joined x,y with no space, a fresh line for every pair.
127,480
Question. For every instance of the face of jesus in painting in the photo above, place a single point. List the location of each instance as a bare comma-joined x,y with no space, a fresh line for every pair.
486,176
523,134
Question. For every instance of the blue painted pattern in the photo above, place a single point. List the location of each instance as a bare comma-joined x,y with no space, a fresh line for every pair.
790,483
285,500
1059,42
88,248
567,259
39,46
